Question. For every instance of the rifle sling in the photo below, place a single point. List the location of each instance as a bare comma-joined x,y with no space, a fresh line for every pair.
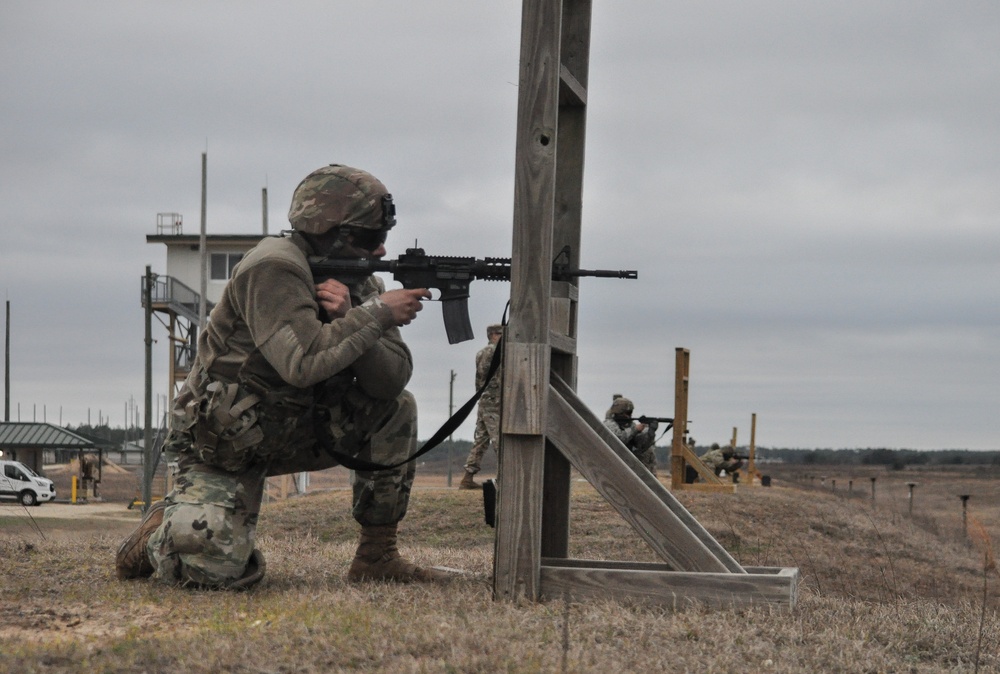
447,428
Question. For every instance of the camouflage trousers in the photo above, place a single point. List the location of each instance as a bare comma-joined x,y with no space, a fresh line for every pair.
209,525
487,432
648,458
728,465
644,449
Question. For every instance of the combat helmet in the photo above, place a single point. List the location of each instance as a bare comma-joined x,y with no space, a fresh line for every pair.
341,196
621,405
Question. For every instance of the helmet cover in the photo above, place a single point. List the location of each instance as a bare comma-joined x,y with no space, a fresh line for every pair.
337,196
622,405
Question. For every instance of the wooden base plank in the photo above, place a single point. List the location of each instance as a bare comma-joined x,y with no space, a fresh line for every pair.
589,579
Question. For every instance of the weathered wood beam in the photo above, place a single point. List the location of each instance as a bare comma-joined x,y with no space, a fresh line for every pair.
527,356
675,507
616,476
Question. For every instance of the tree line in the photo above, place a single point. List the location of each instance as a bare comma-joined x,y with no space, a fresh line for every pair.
897,459
869,456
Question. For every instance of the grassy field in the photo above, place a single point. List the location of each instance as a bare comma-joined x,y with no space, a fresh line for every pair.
882,590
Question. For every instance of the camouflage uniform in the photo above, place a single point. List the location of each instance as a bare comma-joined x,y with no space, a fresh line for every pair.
640,443
488,412
273,386
720,459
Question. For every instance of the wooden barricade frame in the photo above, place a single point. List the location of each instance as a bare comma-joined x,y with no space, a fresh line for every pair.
546,431
681,455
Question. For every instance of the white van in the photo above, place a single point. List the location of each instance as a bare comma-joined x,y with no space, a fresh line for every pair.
19,482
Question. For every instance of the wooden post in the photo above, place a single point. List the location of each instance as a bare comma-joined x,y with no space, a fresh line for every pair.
545,429
678,464
751,462
911,485
527,353
682,457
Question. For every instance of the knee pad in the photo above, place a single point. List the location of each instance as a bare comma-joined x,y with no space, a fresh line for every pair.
206,544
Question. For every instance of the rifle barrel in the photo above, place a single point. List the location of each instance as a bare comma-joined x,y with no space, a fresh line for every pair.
602,273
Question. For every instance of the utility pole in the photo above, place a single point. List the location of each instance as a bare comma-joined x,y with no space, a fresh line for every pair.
147,453
263,196
6,370
202,244
451,410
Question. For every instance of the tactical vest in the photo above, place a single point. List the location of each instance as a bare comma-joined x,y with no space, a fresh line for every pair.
234,410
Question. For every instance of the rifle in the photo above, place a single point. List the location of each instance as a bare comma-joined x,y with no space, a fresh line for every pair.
655,420
645,420
450,275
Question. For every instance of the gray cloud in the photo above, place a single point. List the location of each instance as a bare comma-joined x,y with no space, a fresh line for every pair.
809,193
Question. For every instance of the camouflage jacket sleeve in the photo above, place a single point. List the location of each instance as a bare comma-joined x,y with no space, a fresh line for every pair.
384,369
645,438
276,299
626,435
712,458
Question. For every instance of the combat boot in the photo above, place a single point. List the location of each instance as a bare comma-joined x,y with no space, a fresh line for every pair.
132,560
468,483
378,559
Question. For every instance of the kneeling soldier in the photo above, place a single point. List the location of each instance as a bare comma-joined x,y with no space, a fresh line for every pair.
289,375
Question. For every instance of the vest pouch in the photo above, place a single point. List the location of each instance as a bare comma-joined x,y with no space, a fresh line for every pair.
225,430
285,417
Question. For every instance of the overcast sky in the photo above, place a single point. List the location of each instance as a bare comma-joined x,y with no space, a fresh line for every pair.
810,192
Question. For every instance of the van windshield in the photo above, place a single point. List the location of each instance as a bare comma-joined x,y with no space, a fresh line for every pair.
26,469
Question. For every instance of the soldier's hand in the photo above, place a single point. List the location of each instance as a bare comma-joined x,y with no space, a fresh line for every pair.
640,427
334,297
405,303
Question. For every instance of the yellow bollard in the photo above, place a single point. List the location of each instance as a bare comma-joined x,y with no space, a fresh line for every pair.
72,490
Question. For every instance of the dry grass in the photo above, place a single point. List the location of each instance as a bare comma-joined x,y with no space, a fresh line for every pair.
880,593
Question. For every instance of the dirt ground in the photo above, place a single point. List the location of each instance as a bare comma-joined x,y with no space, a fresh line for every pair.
71,511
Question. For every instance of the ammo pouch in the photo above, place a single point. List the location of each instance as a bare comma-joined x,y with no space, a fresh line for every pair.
234,425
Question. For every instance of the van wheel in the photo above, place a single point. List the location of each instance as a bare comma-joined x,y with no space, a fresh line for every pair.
28,498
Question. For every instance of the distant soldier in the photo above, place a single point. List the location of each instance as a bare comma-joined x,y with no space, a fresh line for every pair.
638,437
721,459
488,412
88,467
88,475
